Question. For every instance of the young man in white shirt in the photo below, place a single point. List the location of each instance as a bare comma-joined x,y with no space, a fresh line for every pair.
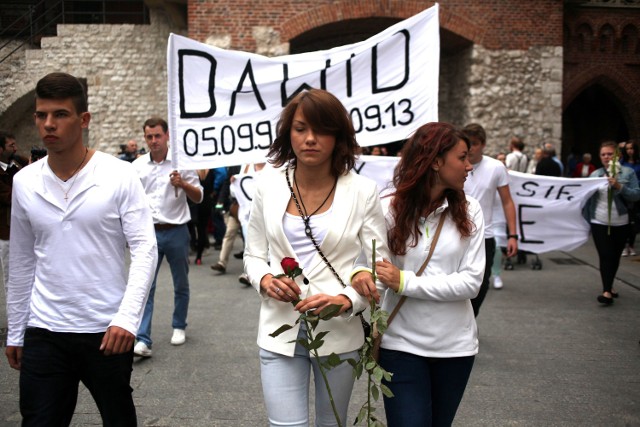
488,176
167,190
516,160
72,311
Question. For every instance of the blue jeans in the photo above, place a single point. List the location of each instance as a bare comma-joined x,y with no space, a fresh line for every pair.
53,364
427,391
285,386
174,243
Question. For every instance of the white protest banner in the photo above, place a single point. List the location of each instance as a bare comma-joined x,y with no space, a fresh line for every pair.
549,210
377,168
242,188
224,105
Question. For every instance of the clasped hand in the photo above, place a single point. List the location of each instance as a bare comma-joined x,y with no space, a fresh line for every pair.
387,273
286,289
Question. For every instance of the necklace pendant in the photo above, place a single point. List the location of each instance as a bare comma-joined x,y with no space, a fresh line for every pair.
307,230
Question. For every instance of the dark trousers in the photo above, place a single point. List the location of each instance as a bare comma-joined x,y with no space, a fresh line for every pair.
490,251
427,391
53,364
609,247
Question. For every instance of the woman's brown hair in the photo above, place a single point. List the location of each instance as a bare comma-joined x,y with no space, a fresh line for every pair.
413,179
326,115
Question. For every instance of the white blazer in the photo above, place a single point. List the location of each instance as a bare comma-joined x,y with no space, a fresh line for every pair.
357,218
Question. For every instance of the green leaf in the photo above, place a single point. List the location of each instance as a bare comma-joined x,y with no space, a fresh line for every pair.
378,373
330,311
386,390
375,393
370,365
334,360
314,345
321,335
280,330
361,415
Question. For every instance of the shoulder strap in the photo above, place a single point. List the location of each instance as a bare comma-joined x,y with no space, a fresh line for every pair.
424,265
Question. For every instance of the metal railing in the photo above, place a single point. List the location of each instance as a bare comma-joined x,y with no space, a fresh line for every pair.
41,19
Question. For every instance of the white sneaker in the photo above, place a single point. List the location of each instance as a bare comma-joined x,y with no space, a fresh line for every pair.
178,337
141,350
497,282
625,251
632,251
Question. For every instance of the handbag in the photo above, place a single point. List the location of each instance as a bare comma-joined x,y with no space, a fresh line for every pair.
366,327
377,336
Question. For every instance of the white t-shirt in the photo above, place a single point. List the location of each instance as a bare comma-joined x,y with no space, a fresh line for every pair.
487,176
67,258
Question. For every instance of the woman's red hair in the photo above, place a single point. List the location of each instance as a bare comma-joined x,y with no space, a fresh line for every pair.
414,177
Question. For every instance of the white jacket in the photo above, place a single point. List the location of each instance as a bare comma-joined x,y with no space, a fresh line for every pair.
356,219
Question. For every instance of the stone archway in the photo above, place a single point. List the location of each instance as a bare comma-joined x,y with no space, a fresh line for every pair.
595,115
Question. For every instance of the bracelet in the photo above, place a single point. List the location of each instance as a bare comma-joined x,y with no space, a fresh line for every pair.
512,236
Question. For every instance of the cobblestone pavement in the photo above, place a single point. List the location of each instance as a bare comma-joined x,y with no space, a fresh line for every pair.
550,355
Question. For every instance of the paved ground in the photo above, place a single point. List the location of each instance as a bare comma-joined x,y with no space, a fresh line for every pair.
550,355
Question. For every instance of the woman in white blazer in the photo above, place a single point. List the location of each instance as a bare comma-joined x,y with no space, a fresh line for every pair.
431,343
311,194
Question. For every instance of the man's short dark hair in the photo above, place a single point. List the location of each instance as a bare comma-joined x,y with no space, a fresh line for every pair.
156,121
475,131
4,136
63,86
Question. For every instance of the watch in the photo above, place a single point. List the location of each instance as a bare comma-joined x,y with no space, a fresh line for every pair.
512,236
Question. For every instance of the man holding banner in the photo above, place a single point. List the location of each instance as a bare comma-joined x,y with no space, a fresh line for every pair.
167,190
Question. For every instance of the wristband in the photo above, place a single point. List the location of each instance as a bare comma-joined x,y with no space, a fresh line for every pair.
512,236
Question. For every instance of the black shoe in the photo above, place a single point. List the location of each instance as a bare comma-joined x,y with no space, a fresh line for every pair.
604,300
239,255
219,267
614,294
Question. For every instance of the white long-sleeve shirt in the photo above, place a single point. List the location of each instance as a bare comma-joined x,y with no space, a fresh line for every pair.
67,258
166,208
437,319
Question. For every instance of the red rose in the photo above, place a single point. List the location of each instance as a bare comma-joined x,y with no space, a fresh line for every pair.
289,266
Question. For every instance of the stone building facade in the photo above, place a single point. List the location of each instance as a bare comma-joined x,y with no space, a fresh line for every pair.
512,66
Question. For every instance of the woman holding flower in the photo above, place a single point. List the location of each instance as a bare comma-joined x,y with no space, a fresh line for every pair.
431,343
293,210
607,211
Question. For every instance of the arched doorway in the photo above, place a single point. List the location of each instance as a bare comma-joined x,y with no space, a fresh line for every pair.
595,115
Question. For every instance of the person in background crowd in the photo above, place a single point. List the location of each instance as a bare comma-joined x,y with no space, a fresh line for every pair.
312,202
585,167
167,191
550,151
610,230
203,212
488,176
72,309
8,168
431,344
37,153
631,159
217,219
130,152
546,165
537,156
516,160
228,205
500,234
